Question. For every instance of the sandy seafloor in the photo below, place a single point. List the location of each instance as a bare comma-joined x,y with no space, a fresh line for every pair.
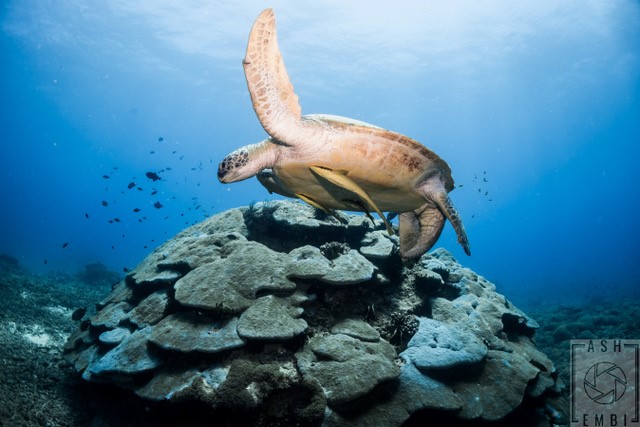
38,388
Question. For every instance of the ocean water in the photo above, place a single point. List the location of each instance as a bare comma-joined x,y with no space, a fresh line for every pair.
535,105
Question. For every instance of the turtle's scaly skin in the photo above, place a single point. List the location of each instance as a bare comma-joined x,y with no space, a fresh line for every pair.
333,162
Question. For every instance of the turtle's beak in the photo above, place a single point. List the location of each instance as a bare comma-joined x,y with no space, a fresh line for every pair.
223,170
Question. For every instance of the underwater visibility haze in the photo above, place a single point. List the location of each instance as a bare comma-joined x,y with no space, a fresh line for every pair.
116,114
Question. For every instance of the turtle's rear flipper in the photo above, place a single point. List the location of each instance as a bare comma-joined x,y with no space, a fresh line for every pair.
419,231
432,189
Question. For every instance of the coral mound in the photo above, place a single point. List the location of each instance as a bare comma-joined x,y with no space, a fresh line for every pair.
280,314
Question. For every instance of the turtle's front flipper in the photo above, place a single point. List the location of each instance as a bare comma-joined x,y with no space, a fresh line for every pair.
272,95
343,181
419,231
432,189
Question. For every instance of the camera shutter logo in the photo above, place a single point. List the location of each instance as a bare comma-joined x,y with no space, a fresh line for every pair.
605,383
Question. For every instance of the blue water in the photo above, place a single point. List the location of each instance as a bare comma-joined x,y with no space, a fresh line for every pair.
541,98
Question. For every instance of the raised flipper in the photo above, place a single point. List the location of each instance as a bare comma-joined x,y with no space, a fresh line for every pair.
272,94
343,181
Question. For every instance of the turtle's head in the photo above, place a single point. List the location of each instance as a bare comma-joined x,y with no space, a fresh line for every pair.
246,162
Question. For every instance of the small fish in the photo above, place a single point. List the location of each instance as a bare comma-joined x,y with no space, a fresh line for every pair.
461,185
157,205
104,203
484,179
152,152
136,209
154,192
174,152
193,169
131,185
125,269
167,168
110,221
86,215
140,189
181,157
45,261
116,219
160,139
391,215
65,244
486,193
115,168
106,176
153,176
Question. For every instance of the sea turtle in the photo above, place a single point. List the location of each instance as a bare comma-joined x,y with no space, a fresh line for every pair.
333,162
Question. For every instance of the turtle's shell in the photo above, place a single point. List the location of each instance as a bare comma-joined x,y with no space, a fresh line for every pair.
386,164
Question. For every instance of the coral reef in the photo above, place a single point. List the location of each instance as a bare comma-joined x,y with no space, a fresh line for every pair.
277,313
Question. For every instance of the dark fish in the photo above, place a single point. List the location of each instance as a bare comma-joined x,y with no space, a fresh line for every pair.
181,157
174,152
116,219
193,169
65,244
78,313
131,185
106,176
45,261
153,176
152,152
154,192
160,139
110,221
167,168
140,189
157,205
461,185
115,168
136,210
391,215
86,215
484,179
104,203
125,269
